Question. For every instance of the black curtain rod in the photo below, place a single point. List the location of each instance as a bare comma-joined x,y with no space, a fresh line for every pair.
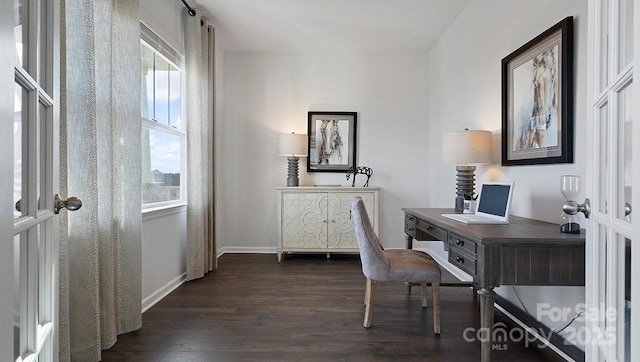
192,12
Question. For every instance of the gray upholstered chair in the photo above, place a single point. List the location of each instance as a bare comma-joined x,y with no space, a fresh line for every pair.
401,265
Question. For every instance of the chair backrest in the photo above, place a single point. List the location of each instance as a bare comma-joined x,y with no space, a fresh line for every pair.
375,265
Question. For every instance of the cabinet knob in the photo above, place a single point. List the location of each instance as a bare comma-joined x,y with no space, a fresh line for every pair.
459,242
459,259
429,228
333,221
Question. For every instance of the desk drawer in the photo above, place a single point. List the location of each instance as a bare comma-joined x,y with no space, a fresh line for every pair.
410,225
428,231
462,260
459,242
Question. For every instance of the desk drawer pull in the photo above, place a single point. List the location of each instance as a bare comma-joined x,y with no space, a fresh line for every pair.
459,242
429,228
409,229
459,259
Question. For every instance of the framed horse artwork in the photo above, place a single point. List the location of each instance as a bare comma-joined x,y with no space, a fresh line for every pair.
537,99
332,141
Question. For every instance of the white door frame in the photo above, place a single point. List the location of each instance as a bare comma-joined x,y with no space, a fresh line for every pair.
6,181
635,250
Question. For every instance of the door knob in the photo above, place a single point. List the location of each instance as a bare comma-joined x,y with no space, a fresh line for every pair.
71,204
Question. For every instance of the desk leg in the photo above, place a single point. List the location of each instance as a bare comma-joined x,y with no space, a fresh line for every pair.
409,240
487,297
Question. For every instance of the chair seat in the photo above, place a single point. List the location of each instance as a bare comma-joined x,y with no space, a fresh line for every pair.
412,266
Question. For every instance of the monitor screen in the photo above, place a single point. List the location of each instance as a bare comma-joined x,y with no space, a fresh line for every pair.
494,199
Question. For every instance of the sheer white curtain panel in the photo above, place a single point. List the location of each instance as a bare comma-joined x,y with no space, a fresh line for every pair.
100,244
199,66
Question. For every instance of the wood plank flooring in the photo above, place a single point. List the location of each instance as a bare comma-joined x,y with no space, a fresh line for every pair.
307,308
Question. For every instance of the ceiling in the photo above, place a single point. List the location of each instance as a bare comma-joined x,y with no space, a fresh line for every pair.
336,25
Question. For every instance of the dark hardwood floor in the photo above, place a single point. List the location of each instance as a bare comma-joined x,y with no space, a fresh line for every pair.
307,308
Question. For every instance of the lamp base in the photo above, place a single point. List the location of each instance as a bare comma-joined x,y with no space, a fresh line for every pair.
292,171
465,183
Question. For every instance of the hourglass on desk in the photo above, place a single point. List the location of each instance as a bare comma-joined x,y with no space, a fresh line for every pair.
570,186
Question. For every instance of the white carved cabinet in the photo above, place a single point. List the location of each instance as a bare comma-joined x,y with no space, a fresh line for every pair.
318,219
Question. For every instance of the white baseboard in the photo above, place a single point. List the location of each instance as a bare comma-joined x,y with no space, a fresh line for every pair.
157,296
246,250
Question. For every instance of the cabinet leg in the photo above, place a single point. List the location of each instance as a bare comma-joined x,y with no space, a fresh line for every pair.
328,255
487,297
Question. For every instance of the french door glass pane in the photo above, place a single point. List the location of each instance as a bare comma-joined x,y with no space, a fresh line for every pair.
603,80
17,29
43,50
41,272
45,117
624,298
20,96
626,34
625,155
603,159
602,270
16,297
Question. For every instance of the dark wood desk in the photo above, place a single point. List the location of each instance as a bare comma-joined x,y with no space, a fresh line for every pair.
524,252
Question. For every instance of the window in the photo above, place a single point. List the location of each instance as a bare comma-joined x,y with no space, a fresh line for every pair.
163,126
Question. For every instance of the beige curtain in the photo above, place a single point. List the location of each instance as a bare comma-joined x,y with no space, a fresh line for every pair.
199,65
100,244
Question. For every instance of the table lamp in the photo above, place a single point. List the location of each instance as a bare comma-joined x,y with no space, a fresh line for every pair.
293,146
465,149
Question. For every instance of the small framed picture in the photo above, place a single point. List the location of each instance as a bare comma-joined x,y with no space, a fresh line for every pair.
537,99
332,141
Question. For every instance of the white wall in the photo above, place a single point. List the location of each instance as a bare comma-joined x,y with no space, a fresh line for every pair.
465,91
164,17
163,254
266,94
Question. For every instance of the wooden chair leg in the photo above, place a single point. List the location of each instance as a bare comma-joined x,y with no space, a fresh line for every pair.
424,295
367,287
371,294
436,307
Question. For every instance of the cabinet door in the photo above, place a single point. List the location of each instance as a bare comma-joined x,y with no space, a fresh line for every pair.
340,228
304,220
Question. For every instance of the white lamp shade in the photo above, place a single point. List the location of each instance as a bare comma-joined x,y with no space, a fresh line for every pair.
468,146
293,145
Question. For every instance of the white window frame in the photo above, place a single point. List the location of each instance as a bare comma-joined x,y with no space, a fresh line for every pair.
151,39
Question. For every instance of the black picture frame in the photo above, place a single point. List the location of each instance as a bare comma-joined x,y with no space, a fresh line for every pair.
337,132
537,99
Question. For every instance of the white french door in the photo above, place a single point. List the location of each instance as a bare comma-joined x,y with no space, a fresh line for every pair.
613,172
30,55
